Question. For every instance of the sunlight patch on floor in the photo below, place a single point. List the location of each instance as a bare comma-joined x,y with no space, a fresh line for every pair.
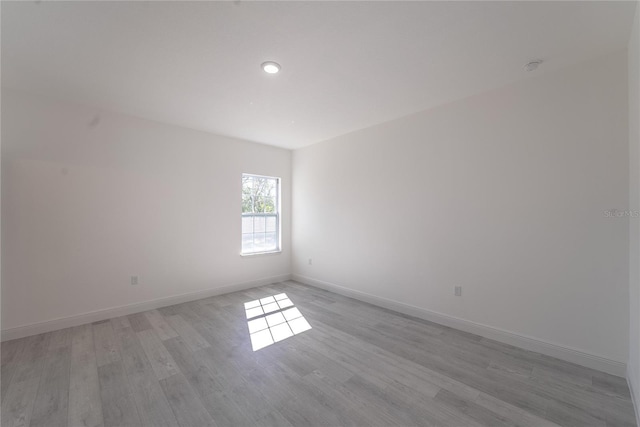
273,319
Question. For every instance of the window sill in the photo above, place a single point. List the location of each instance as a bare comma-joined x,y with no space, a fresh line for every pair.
278,252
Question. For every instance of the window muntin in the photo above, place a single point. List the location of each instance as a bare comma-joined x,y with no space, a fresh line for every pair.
260,214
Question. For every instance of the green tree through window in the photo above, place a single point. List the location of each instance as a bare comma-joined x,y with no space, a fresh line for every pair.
258,194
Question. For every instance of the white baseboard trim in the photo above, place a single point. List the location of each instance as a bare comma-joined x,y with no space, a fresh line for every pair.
507,337
633,391
124,310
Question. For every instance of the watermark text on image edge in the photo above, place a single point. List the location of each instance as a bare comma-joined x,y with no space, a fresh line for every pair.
615,213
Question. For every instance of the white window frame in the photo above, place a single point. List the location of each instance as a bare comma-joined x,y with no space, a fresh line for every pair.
278,202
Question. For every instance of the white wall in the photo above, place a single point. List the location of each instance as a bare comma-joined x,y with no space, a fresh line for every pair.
84,207
502,193
633,367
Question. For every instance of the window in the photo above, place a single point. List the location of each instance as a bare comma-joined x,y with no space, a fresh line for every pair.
260,214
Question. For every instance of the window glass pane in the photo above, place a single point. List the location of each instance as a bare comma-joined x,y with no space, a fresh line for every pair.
247,181
264,204
259,224
259,187
270,204
247,243
271,224
247,194
258,240
247,224
270,240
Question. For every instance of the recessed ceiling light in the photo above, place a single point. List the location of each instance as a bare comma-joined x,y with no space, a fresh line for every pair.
532,65
270,67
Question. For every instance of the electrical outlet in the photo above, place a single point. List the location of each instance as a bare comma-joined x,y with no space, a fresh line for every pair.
134,280
458,291
310,261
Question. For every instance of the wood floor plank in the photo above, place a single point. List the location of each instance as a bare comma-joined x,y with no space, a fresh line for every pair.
251,401
52,402
185,311
608,383
202,311
353,408
214,392
17,406
571,416
227,371
198,374
105,343
303,412
9,353
186,405
85,407
220,333
120,323
60,339
27,364
481,414
274,419
191,337
182,355
161,361
31,358
519,416
360,355
118,405
225,411
161,327
10,349
139,322
276,383
151,403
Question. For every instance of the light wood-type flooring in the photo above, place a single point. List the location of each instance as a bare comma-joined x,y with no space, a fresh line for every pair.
193,365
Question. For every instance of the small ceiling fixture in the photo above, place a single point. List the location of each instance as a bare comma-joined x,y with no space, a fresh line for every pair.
532,65
270,67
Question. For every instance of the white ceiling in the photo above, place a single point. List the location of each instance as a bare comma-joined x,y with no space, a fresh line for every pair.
345,65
